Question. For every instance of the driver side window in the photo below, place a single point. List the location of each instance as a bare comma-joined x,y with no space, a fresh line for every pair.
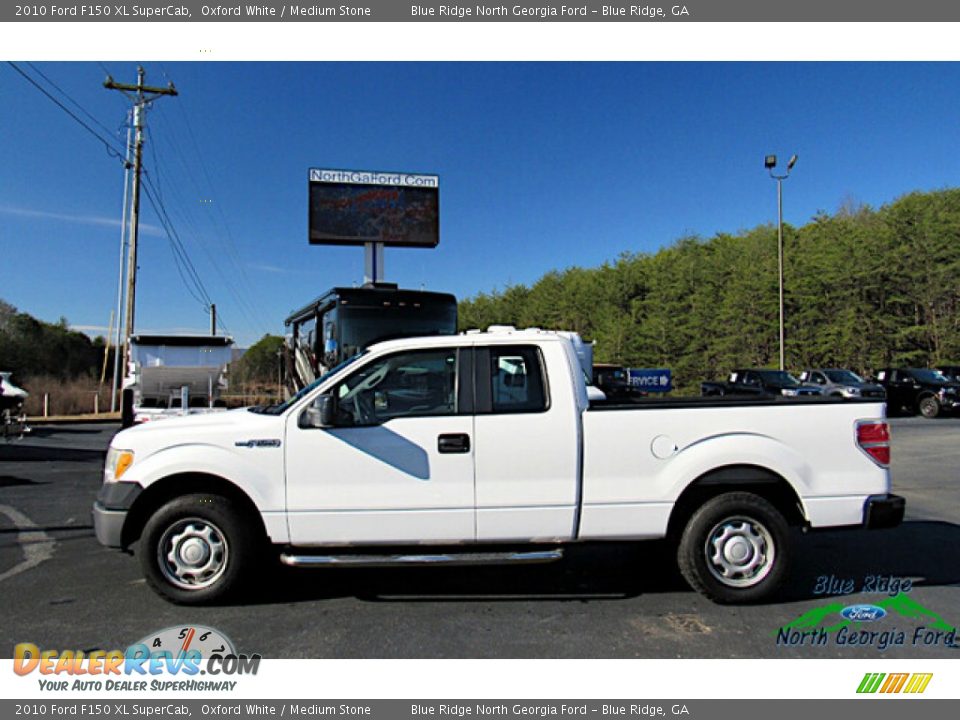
409,384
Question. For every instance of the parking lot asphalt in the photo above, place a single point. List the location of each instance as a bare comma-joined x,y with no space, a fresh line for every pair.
60,589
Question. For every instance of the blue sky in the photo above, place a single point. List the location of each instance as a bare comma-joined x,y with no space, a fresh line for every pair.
542,165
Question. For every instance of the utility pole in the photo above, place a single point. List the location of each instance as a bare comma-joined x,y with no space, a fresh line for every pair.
118,345
141,96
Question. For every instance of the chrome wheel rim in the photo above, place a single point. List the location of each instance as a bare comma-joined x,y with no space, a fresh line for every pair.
739,551
192,554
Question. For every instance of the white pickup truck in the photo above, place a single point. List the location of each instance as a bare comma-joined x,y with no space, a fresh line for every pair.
484,448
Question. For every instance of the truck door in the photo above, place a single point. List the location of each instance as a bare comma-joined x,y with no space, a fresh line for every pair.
527,447
897,389
396,467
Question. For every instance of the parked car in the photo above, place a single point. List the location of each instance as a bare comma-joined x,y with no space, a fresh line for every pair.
760,383
920,390
13,420
483,448
952,372
612,379
838,382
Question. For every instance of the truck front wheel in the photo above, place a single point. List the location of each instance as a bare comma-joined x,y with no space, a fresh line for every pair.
735,548
196,549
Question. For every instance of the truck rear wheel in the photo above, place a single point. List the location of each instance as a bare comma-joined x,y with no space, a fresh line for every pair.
735,548
196,549
929,406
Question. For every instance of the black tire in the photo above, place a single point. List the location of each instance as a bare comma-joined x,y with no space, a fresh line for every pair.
198,549
754,529
929,407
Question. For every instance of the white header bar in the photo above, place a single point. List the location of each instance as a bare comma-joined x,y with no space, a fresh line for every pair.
373,177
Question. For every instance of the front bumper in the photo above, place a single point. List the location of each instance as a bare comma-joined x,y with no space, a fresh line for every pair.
108,525
110,511
883,511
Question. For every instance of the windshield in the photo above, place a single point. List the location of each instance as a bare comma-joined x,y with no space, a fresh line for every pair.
280,408
843,377
930,376
361,327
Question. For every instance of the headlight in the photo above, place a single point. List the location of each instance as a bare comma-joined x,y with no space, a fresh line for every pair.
118,462
852,391
789,393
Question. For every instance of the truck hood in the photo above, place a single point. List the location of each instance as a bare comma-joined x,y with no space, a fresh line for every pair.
869,387
220,428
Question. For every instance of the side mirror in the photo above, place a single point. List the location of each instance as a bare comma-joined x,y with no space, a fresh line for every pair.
320,414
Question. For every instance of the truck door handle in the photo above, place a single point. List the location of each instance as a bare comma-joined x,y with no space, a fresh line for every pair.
453,443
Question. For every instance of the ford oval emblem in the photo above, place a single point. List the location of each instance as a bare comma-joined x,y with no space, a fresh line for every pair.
863,613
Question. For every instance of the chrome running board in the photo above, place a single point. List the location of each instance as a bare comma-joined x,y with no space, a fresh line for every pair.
362,560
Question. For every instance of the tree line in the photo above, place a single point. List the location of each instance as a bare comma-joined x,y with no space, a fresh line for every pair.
32,347
864,288
45,355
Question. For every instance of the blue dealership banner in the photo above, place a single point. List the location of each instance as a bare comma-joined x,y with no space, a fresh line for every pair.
651,380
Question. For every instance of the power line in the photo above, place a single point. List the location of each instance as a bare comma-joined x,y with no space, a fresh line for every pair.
228,243
110,148
180,253
153,153
182,261
242,302
63,92
181,258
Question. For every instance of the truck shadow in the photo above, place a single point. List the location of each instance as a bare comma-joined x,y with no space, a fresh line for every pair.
45,431
926,551
587,573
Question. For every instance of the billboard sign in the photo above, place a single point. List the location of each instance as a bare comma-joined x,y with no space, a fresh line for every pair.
355,207
648,380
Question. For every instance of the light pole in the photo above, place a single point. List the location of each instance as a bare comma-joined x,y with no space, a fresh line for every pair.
770,162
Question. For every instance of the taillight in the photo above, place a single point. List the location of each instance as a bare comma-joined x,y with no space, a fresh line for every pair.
873,437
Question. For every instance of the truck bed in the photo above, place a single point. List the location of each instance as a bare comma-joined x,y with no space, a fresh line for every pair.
636,464
699,401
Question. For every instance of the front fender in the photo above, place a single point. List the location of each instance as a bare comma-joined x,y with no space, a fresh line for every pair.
258,471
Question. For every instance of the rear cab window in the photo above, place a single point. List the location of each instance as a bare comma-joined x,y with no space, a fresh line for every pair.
511,379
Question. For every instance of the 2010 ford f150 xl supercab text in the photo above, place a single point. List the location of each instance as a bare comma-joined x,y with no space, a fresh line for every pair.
484,448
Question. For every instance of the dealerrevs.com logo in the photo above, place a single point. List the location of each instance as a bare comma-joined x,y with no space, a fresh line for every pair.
182,652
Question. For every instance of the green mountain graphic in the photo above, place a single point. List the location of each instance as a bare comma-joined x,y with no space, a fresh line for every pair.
827,617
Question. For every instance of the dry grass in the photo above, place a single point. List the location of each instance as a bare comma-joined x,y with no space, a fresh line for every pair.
76,397
251,395
70,397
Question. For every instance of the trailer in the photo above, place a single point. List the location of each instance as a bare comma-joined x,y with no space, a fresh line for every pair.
170,375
